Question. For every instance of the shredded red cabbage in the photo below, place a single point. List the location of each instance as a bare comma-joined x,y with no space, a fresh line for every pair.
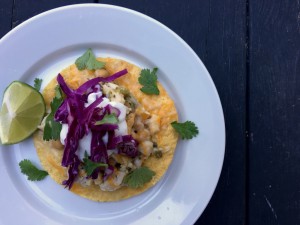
89,86
98,151
62,112
81,119
128,146
125,144
113,140
114,76
88,112
112,110
72,172
105,127
98,148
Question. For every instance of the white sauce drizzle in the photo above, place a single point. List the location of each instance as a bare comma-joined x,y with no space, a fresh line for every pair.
85,142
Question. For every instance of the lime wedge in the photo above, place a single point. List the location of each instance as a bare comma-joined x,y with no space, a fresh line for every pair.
22,110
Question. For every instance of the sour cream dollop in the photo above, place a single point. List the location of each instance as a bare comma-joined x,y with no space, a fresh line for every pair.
85,142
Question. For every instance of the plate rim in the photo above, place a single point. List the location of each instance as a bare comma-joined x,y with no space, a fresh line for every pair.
191,51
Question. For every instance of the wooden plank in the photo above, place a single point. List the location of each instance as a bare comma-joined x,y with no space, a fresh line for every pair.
225,58
23,10
216,30
6,8
274,109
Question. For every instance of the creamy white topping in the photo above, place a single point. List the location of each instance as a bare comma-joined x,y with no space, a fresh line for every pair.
63,133
85,142
104,103
84,145
122,130
92,97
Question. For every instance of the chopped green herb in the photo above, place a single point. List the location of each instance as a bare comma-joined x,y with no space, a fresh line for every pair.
38,83
88,61
131,102
149,81
90,166
186,130
108,118
32,173
158,154
58,92
124,91
138,177
52,128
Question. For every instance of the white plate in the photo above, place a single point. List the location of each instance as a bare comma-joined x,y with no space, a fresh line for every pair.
42,46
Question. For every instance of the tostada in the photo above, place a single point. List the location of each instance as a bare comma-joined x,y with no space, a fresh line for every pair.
104,138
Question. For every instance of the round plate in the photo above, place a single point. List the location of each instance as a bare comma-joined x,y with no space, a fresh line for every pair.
45,44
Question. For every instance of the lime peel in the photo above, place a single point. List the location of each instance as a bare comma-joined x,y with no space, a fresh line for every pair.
22,110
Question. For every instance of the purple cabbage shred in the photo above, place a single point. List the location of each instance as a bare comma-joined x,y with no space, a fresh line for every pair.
81,119
128,146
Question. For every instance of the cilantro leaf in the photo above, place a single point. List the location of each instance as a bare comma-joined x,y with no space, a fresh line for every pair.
138,177
90,166
38,83
58,92
149,81
88,61
108,118
32,173
52,128
186,130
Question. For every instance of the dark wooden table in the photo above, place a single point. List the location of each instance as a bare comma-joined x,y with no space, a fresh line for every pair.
252,50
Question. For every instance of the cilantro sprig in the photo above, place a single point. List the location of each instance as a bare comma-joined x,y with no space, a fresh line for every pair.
52,128
31,171
38,84
108,118
88,61
186,130
138,177
149,81
90,166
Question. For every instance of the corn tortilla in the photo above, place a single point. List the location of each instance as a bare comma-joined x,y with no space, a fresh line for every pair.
161,105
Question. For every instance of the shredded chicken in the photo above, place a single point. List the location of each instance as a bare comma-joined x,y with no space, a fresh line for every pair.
146,147
141,125
113,182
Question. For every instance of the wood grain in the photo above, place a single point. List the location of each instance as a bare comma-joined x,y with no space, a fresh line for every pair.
225,58
216,30
6,8
23,10
274,106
